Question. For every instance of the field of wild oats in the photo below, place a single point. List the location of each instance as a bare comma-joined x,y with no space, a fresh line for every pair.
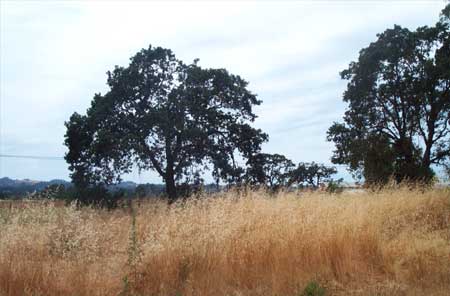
393,242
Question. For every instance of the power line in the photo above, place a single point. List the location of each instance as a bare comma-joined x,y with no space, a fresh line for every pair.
62,158
32,157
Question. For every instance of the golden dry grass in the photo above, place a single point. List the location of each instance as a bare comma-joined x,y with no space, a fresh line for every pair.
394,242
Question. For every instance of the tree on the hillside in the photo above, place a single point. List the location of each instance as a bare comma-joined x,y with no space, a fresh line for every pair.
311,174
398,119
163,115
269,170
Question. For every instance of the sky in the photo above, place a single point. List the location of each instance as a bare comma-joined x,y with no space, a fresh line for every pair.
54,57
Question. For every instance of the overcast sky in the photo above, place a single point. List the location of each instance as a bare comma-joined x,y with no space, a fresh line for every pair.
54,56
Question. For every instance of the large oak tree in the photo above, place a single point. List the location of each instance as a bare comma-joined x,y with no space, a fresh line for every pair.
398,118
163,115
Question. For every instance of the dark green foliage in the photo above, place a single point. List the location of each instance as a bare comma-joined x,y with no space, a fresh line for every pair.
54,191
146,190
311,174
335,186
97,196
275,171
161,114
398,119
269,170
313,289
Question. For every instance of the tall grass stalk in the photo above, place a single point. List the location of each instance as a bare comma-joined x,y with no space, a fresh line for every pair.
134,250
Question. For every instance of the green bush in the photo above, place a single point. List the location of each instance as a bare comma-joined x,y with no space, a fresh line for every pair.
97,196
313,289
335,186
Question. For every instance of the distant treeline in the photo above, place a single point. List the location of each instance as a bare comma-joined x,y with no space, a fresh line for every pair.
10,188
61,189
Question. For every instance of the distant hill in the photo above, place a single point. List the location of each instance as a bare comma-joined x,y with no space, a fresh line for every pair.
20,187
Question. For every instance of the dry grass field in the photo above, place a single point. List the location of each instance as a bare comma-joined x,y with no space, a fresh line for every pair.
391,242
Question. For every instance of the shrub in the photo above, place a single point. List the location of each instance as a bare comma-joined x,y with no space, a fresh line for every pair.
313,289
335,186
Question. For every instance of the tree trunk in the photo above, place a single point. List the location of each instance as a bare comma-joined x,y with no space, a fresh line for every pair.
426,159
171,189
